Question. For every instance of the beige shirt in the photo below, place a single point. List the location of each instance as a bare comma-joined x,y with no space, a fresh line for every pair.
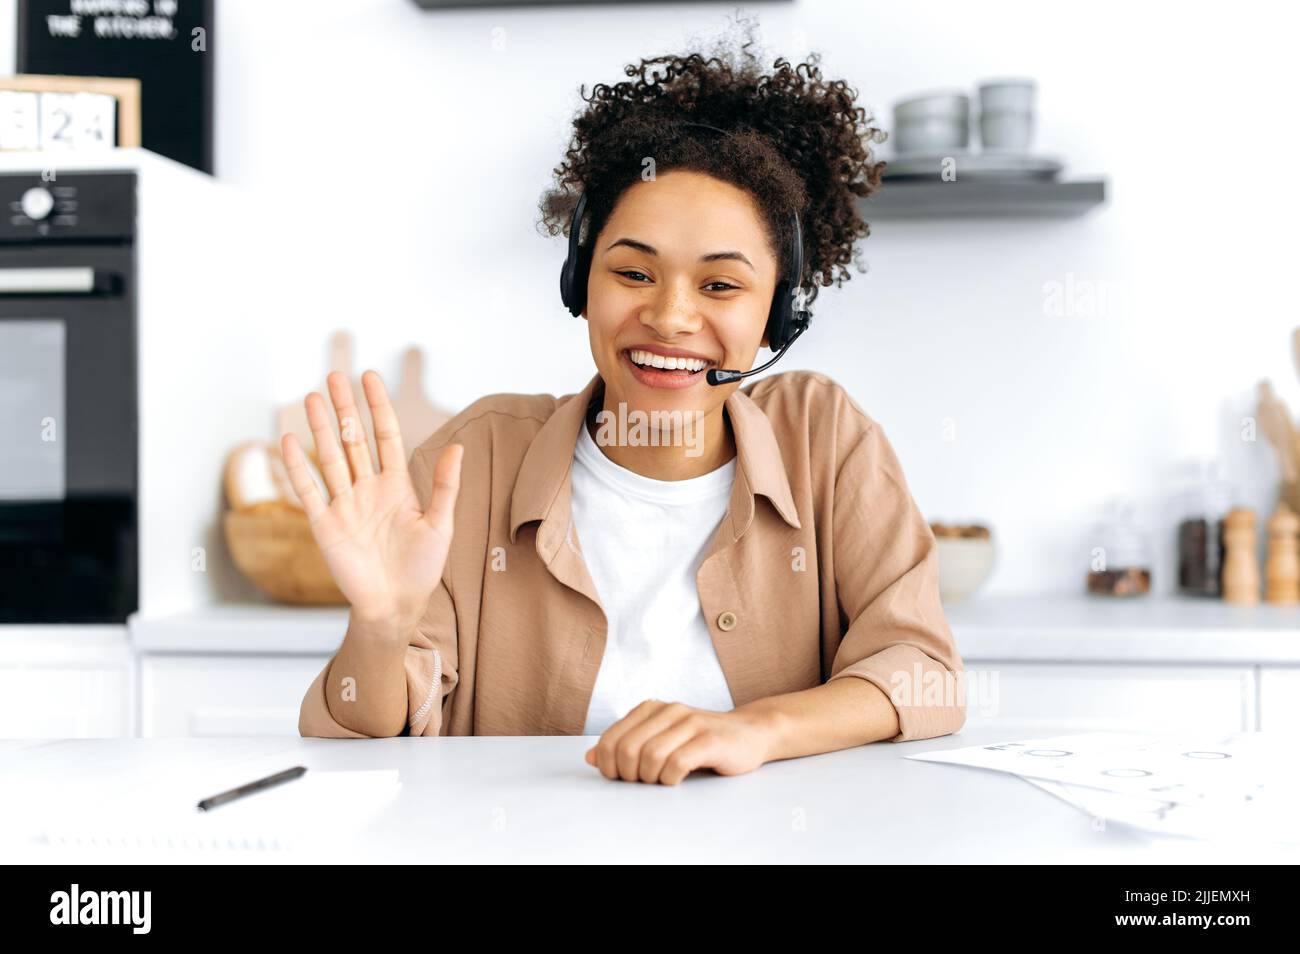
822,568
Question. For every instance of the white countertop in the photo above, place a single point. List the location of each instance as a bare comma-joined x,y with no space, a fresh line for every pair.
495,799
1040,628
249,628
1143,629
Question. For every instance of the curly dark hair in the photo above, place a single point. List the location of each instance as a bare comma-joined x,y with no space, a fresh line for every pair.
797,143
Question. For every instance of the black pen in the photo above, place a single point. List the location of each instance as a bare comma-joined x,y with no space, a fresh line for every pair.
286,776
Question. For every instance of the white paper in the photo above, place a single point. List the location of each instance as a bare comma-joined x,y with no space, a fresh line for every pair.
1240,784
320,806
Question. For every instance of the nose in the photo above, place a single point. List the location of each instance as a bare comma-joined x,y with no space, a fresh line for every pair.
674,312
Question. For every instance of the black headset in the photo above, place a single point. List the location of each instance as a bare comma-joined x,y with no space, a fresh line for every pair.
787,318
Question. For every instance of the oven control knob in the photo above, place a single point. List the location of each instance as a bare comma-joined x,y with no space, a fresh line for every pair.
37,203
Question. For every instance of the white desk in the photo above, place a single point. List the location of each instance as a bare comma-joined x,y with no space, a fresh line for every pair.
495,799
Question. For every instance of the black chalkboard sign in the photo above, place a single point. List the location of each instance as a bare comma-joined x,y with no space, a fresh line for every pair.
166,44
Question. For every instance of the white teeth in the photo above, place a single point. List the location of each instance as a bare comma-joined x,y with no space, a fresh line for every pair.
668,364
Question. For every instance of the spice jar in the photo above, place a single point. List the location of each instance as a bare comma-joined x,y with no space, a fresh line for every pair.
1205,503
1120,563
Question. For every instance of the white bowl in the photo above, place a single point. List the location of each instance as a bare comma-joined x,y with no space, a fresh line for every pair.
964,565
936,122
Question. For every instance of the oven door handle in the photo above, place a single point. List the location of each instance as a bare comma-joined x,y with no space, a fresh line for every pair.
76,280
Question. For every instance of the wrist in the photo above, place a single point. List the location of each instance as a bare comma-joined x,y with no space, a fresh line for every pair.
382,626
771,725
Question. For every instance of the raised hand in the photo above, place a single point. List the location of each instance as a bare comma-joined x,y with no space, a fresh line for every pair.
386,554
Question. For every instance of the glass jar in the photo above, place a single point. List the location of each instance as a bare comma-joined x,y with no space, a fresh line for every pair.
1205,502
1120,559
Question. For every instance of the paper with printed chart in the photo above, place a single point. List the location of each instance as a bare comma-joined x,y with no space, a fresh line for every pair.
1266,820
1194,785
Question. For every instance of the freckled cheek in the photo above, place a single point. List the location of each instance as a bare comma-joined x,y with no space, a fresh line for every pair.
609,303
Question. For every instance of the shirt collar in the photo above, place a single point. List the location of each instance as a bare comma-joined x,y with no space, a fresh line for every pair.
542,490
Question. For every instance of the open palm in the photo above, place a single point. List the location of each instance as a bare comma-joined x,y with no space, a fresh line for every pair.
385,552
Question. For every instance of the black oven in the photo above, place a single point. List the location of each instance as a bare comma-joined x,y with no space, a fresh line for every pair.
68,408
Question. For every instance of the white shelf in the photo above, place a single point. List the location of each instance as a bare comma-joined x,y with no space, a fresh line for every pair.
931,198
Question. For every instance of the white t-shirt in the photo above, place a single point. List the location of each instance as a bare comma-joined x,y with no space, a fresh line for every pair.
643,540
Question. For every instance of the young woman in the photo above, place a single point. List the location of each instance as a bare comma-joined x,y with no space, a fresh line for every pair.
705,577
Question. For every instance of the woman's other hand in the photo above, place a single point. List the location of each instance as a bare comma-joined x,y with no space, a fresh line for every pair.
666,741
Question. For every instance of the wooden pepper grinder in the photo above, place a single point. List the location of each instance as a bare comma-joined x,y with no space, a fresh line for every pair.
1240,563
1282,572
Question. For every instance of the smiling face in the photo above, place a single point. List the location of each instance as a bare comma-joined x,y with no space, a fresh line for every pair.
683,268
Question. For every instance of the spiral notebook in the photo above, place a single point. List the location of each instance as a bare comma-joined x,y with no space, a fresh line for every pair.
321,806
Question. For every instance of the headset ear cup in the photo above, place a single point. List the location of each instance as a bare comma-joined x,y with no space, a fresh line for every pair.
566,283
778,318
573,283
573,273
581,276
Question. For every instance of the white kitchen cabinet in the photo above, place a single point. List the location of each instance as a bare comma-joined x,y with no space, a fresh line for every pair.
71,703
1112,696
223,695
1279,699
242,670
65,681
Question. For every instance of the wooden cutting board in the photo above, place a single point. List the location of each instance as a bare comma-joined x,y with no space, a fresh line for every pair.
416,417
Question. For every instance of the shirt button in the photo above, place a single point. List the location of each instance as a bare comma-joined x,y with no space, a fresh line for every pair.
727,620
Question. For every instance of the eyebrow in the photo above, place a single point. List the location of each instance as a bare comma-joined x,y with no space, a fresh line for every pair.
711,257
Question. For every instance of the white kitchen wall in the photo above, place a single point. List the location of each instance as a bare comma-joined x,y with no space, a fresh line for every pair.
398,156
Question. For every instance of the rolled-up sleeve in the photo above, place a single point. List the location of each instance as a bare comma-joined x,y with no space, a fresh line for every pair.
431,657
887,583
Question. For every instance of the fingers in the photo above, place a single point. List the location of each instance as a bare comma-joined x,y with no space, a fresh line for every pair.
685,759
351,427
631,745
295,462
333,466
388,435
446,486
607,745
659,752
618,753
668,757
